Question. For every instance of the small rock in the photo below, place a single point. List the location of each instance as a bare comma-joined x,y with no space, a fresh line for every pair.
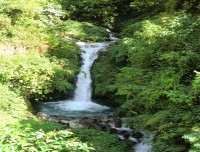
43,116
133,140
95,120
117,122
105,119
125,134
137,135
88,123
113,130
120,137
97,127
75,124
65,122
103,126
53,120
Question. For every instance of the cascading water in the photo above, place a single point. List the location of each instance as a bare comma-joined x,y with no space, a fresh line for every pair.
83,85
81,104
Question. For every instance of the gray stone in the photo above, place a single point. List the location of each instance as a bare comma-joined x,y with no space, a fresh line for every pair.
65,122
105,119
75,124
53,120
43,116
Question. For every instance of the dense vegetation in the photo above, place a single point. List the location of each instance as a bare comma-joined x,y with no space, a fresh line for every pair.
152,72
38,62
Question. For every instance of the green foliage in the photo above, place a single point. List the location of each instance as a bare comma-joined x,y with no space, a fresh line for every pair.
101,81
12,106
64,49
29,140
27,31
194,138
101,141
153,68
10,101
35,76
83,31
36,124
157,58
31,134
170,126
191,6
100,12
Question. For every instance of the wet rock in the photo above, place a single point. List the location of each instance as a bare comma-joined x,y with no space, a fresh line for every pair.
97,127
43,116
132,140
53,120
75,124
104,126
125,134
88,122
96,120
137,135
113,131
65,122
105,119
117,122
108,127
121,137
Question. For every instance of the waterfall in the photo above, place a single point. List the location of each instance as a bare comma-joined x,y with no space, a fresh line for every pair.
90,52
81,104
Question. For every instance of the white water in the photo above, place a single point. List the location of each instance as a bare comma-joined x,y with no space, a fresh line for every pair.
90,52
81,104
145,145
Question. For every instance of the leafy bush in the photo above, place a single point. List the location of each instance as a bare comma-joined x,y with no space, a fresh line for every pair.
104,13
29,140
194,138
101,81
153,68
64,49
83,31
34,76
12,106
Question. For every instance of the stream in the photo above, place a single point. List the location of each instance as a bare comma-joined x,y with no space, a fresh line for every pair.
82,106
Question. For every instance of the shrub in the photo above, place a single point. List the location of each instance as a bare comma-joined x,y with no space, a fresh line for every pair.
83,31
29,140
12,106
154,65
35,76
194,138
